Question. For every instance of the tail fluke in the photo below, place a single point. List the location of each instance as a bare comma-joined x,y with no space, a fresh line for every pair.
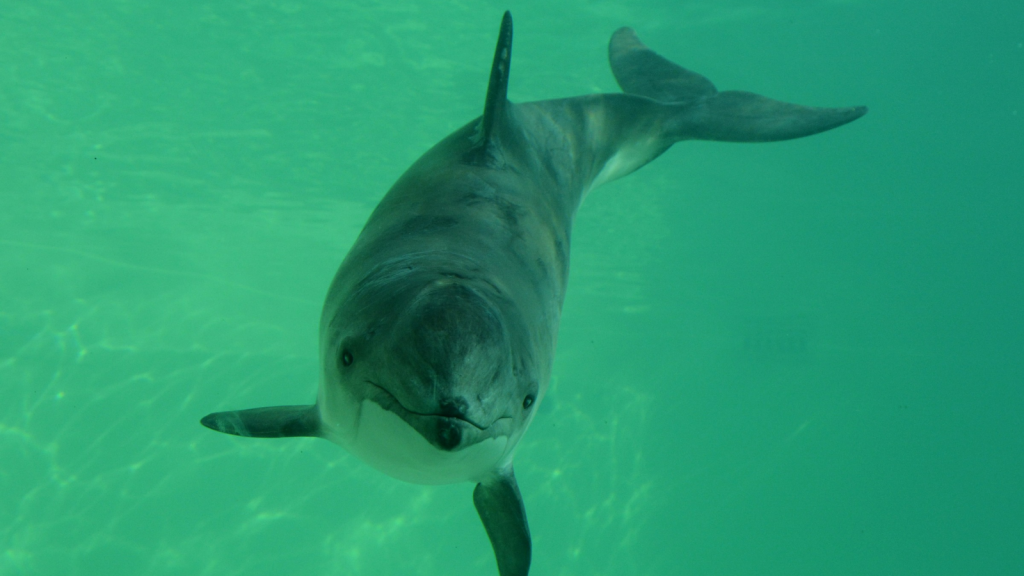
706,113
641,71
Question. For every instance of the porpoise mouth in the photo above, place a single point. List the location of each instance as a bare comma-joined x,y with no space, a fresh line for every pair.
390,398
448,432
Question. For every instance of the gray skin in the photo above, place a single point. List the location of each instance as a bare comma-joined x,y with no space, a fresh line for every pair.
438,333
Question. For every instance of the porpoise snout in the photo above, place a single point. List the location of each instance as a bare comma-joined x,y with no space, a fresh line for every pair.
449,433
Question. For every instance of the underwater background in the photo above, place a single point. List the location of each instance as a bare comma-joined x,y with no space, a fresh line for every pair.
795,358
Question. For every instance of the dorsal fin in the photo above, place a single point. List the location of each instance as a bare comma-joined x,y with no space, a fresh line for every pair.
496,105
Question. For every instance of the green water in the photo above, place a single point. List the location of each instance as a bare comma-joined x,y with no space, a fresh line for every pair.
801,358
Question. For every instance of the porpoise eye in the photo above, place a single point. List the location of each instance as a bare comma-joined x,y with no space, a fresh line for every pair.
528,401
346,358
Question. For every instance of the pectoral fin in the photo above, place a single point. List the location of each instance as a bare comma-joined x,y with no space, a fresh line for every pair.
501,509
270,422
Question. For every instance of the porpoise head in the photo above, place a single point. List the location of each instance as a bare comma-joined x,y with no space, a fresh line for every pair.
425,375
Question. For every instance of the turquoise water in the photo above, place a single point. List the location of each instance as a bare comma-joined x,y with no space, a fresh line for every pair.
797,358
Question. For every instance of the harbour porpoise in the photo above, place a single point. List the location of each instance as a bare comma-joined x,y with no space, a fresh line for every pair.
438,332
